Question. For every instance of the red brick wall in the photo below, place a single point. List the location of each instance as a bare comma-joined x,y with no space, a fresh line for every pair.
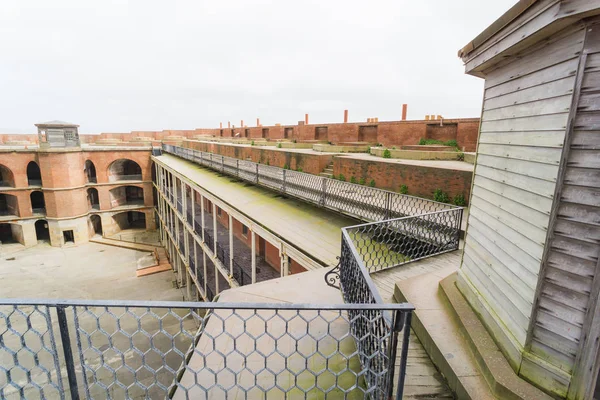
310,163
421,181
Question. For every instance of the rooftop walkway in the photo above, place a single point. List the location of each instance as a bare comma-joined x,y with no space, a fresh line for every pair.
314,230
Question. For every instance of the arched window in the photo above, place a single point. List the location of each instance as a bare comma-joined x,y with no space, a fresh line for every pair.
38,205
126,196
8,205
34,176
124,170
93,198
6,177
130,220
41,230
90,172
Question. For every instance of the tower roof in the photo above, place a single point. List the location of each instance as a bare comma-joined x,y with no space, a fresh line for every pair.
56,123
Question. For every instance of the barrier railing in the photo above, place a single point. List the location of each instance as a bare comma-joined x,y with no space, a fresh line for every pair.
362,202
187,350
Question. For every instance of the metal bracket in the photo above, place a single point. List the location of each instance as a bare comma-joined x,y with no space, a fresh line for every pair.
332,278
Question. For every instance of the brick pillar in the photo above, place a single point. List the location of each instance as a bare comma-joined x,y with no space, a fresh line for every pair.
228,124
220,125
257,122
306,119
241,123
345,116
404,108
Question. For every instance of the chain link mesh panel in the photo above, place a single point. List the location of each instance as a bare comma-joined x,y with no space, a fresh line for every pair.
199,350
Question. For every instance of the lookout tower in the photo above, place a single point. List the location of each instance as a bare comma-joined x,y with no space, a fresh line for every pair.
58,134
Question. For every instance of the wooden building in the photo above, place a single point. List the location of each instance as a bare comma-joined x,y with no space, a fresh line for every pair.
531,261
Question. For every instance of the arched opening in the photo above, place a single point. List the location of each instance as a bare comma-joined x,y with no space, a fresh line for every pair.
11,233
126,196
95,225
124,170
8,205
34,176
93,199
41,230
130,220
38,205
7,178
90,172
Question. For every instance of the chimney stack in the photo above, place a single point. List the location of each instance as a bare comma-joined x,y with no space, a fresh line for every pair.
228,124
220,125
306,119
242,123
345,116
404,107
257,122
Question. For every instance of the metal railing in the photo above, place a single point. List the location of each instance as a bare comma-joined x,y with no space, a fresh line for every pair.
362,202
127,349
124,177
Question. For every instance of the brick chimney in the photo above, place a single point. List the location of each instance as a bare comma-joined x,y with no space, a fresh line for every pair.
306,119
345,116
404,108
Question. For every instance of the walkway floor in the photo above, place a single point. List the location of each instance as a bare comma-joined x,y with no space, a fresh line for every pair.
314,230
423,381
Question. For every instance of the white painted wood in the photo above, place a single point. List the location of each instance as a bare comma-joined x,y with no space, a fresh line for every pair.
532,20
527,97
530,200
527,215
540,138
523,167
565,48
526,261
541,77
538,186
538,123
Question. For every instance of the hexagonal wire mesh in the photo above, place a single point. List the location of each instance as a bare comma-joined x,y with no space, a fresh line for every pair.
362,202
117,349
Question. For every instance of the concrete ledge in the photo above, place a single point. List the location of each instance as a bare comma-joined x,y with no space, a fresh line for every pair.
428,147
498,373
416,154
470,157
441,335
341,148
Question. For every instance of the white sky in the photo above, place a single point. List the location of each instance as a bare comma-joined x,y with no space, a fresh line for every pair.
117,66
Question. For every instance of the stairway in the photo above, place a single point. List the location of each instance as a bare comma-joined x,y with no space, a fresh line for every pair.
153,262
328,171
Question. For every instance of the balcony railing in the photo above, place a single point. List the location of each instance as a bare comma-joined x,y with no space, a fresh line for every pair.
409,228
362,202
117,178
132,349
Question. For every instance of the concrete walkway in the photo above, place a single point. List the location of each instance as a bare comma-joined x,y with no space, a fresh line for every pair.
314,230
423,381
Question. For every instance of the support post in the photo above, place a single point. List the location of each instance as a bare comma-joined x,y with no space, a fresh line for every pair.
202,220
253,256
205,276
68,353
230,244
285,265
214,212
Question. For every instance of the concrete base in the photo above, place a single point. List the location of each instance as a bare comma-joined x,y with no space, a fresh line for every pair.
457,341
416,154
470,157
330,148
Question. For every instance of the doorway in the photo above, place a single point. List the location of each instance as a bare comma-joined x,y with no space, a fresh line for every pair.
69,237
41,230
95,225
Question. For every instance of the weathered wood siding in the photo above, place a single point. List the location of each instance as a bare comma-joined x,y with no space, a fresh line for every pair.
564,302
526,107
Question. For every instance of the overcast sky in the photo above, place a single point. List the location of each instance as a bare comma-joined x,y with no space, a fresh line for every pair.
117,66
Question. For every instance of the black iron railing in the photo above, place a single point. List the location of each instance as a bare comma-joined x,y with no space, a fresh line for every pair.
144,349
362,202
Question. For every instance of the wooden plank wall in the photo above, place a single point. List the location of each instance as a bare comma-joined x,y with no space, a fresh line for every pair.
564,300
525,112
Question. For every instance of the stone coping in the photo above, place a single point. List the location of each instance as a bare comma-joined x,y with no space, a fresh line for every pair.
417,154
458,343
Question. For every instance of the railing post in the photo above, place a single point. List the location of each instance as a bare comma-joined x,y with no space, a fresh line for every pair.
256,172
323,192
404,355
388,202
237,167
222,164
68,353
283,185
